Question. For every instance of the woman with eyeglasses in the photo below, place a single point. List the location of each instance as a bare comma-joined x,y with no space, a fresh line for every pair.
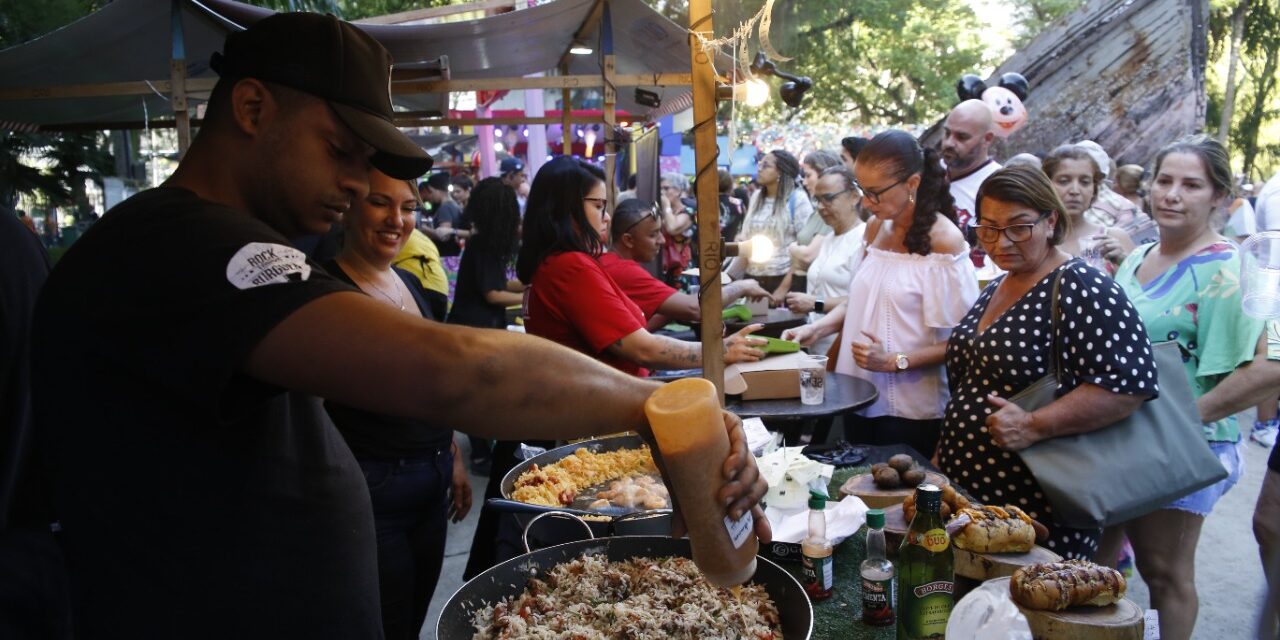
1006,341
1077,179
571,298
777,211
830,273
816,231
914,283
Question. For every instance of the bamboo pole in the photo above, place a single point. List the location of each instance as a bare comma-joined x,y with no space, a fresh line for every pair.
705,152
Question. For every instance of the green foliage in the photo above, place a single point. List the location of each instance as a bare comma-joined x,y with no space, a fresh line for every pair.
72,157
1254,134
22,21
875,62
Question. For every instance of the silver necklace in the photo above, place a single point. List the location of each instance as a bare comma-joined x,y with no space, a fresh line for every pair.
382,293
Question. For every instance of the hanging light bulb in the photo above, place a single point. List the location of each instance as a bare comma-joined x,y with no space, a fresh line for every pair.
761,249
757,92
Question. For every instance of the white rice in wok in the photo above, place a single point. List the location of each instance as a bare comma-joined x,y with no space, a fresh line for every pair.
591,598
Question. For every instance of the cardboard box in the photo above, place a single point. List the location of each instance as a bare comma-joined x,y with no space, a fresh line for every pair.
758,307
775,377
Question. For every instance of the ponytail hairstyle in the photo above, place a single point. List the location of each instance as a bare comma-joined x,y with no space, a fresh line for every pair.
901,155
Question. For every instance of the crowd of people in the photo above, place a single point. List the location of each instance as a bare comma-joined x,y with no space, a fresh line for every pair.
264,444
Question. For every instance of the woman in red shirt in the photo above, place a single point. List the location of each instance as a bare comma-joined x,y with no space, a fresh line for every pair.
572,301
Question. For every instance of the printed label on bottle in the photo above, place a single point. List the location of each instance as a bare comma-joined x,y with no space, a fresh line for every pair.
935,540
877,595
818,571
926,608
739,529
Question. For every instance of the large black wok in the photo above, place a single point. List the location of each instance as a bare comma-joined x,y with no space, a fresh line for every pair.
509,579
605,522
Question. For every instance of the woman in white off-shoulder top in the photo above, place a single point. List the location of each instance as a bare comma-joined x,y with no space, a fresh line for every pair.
914,283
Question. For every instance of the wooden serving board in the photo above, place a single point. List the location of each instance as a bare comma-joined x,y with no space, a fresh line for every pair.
984,566
864,487
1119,621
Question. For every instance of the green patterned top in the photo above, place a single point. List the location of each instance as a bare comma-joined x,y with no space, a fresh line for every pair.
1197,304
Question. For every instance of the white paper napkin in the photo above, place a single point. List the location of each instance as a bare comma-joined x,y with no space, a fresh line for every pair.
844,518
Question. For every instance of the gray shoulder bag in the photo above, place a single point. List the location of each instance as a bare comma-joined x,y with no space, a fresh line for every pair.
1132,467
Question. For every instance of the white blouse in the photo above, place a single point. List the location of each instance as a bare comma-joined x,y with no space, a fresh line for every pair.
908,302
829,274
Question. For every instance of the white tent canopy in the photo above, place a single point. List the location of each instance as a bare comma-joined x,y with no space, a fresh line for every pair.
112,69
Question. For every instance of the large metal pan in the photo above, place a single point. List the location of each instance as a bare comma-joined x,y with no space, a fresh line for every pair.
510,577
616,521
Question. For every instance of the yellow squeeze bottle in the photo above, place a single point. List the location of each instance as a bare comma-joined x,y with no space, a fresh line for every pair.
689,428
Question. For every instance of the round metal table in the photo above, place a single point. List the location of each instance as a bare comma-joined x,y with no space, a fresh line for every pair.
844,393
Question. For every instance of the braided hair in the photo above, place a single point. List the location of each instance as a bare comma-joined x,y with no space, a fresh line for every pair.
902,156
788,173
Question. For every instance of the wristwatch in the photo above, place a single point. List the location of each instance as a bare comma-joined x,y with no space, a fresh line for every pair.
902,362
819,306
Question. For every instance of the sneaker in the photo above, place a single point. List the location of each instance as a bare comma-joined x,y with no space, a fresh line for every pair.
1264,433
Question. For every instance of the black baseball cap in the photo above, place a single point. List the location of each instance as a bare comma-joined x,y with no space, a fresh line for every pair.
337,62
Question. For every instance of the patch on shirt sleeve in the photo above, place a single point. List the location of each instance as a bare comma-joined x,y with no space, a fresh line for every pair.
262,263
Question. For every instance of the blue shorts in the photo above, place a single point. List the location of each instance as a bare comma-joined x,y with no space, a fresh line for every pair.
1202,501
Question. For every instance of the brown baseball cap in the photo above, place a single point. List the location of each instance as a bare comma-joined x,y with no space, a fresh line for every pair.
337,62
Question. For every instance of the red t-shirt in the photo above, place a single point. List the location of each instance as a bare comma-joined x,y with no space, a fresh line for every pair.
645,290
573,302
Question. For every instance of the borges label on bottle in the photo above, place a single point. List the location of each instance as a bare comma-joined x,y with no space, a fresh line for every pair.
941,586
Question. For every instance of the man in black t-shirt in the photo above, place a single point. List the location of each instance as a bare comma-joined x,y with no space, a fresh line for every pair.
201,490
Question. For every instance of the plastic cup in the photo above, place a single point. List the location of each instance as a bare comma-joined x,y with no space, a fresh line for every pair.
813,380
1260,275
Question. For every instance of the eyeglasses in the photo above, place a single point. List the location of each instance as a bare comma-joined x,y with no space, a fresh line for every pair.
828,198
874,196
599,202
1014,232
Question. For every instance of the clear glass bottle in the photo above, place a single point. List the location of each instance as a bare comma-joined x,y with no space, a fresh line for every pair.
926,571
878,596
815,552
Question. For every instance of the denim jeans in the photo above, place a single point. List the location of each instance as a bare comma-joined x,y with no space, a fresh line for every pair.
410,502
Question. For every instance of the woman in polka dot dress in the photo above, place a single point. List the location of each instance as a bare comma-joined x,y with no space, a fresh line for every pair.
1004,344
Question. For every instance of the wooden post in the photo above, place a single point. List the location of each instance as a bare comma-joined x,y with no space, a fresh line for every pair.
566,138
706,183
610,119
178,99
610,106
178,78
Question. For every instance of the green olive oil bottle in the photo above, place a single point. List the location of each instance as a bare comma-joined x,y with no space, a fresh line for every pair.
926,574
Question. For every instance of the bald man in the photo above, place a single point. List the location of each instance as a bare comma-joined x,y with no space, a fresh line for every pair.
966,145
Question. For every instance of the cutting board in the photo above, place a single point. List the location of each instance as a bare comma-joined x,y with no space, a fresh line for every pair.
1120,621
977,566
864,487
984,566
